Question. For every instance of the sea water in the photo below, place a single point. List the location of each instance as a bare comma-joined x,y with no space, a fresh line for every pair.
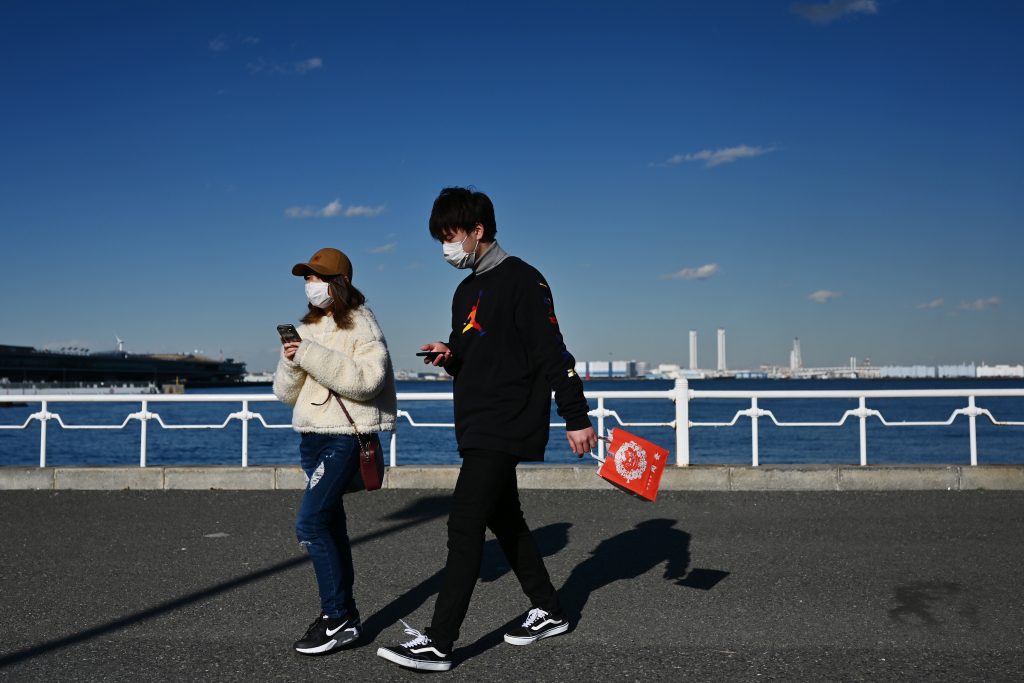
436,445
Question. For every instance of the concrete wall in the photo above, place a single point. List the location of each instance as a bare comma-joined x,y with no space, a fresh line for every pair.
694,478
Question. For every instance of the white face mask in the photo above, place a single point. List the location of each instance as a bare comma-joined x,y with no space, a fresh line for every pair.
456,255
318,294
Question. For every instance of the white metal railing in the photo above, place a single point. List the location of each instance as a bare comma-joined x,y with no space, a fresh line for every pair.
681,395
862,412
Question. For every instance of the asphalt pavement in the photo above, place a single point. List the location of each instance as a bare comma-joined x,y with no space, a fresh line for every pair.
211,585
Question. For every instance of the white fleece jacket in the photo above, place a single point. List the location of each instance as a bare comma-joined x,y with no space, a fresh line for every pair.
354,362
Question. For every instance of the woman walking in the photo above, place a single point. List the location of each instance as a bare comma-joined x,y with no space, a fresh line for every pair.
342,358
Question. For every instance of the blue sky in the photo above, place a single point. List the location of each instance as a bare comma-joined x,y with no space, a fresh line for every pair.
849,172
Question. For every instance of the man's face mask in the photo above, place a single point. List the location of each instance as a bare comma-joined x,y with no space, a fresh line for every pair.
457,256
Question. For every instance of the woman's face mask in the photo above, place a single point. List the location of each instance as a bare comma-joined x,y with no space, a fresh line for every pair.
318,294
457,256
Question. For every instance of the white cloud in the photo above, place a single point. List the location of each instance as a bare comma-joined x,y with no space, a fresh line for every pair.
333,209
980,304
308,65
223,42
219,44
934,303
369,211
288,69
300,212
384,248
823,296
700,273
716,157
827,12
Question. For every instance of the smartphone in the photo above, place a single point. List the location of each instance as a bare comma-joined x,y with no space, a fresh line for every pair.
288,333
429,355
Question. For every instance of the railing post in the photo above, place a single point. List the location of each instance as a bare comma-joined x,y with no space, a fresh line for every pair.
863,432
142,443
972,410
682,399
42,434
600,427
245,433
394,448
753,429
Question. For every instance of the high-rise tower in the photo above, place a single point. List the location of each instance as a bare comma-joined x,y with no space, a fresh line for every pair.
693,349
721,349
795,361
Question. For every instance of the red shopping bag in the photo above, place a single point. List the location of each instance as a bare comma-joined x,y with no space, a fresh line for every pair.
633,464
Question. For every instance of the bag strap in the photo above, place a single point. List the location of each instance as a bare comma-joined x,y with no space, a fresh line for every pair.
351,421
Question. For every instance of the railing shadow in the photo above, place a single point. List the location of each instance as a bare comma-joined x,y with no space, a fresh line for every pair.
418,512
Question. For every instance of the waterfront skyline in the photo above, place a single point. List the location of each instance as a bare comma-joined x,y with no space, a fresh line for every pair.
848,173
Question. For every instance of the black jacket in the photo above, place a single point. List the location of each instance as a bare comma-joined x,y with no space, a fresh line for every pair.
507,357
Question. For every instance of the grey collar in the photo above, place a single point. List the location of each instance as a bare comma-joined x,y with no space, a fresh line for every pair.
490,260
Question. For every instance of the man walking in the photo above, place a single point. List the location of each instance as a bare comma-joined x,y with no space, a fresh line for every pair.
506,355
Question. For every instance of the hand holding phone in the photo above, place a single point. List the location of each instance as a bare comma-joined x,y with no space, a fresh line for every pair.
435,353
288,333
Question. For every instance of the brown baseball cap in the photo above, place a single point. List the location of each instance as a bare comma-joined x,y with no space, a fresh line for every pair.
326,261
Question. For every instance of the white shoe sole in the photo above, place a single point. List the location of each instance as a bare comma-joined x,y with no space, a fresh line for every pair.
412,663
331,644
557,630
320,649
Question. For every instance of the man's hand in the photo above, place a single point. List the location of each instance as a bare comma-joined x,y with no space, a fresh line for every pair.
444,353
582,441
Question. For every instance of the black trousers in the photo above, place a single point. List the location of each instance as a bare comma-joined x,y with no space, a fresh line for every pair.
486,497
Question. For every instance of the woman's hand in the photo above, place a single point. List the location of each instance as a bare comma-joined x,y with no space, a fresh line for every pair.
289,349
444,353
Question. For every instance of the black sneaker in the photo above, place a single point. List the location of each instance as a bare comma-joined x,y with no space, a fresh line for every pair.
419,653
539,624
326,634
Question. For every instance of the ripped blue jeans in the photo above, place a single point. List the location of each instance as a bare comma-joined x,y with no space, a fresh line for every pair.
329,461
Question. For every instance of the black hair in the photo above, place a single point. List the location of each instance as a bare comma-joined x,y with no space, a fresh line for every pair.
462,208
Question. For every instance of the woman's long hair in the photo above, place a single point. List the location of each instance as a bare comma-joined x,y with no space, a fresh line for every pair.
346,299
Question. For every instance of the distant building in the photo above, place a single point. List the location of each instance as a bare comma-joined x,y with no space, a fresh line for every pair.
751,374
620,369
1000,370
966,370
795,361
667,370
693,349
907,371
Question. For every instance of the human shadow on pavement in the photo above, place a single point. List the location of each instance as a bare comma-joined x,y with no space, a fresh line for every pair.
630,555
418,512
550,539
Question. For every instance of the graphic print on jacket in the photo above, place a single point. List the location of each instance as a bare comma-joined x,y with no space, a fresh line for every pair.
471,322
551,308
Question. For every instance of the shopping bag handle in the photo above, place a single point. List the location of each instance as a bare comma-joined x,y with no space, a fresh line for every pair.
594,455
